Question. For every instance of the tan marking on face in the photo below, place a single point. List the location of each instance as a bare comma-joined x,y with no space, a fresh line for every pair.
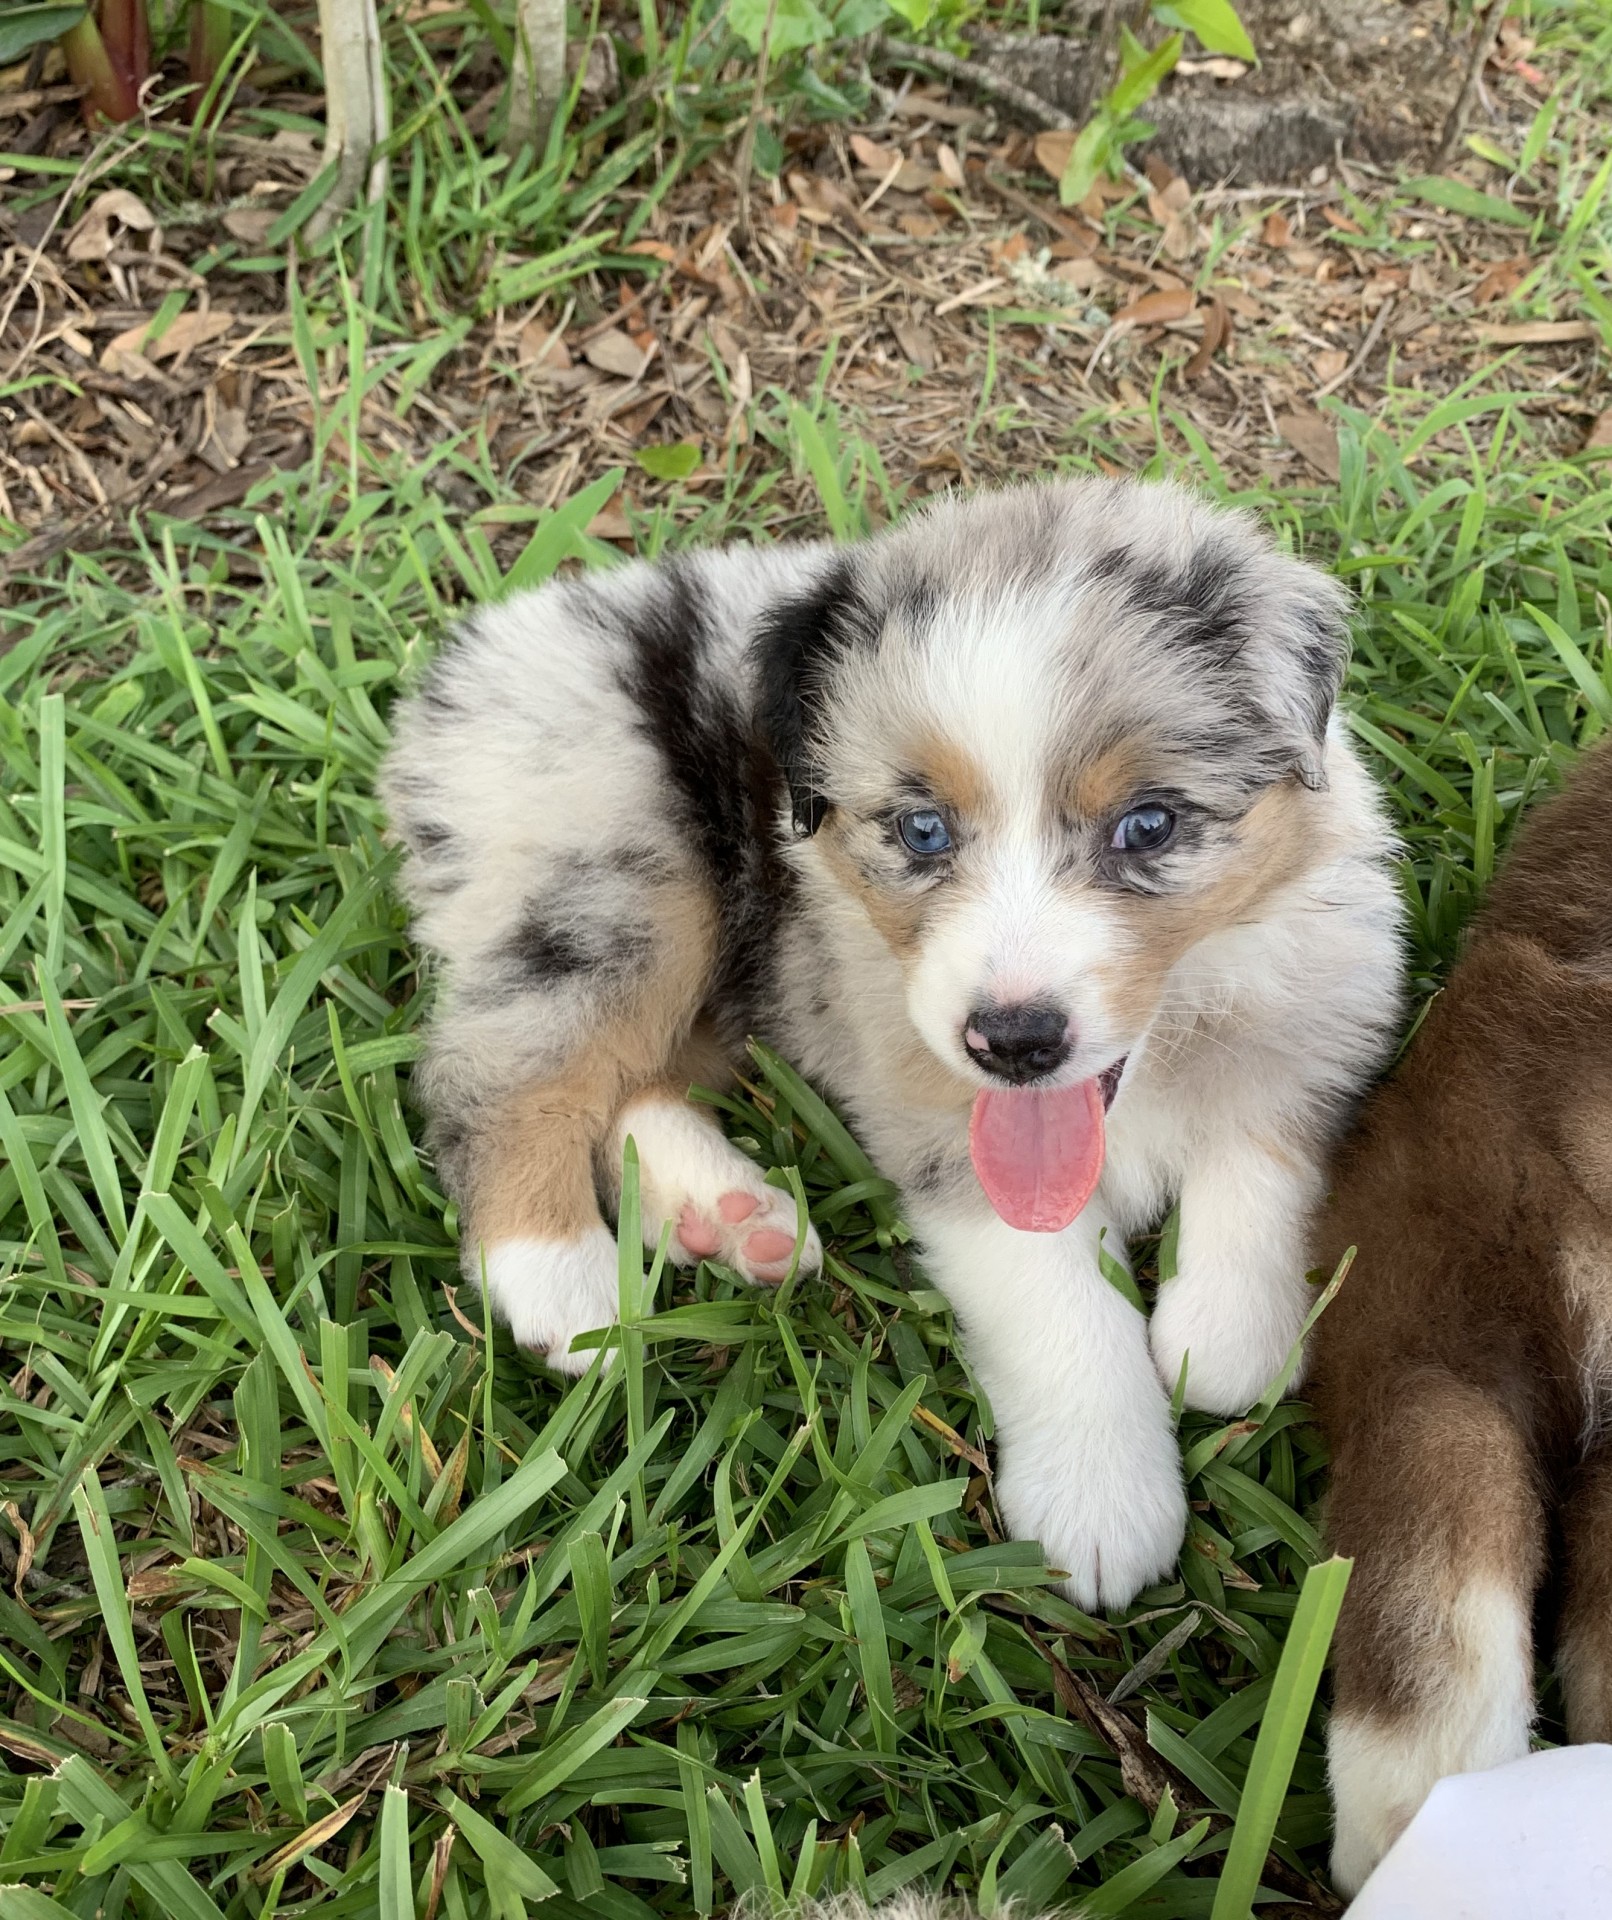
899,918
1278,839
954,779
1091,789
533,1158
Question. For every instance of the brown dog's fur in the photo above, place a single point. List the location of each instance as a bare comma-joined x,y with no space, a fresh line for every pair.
1463,1375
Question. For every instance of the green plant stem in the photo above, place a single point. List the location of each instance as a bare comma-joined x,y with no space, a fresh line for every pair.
107,91
209,42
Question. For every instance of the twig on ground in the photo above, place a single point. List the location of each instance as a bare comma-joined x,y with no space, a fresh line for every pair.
1484,36
973,74
1373,335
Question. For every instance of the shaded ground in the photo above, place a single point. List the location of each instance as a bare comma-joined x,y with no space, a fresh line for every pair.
916,272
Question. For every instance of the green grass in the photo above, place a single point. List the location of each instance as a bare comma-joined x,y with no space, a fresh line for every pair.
306,1577
316,1596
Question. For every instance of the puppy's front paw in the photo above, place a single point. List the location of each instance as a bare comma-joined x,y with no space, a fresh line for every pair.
1113,1521
1233,1338
549,1291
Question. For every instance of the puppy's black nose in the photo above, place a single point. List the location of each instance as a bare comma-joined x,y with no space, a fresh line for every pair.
1020,1043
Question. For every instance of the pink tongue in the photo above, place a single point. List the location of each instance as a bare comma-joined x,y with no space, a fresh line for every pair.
1038,1155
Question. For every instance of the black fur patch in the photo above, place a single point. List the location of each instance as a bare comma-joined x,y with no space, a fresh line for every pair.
1210,608
795,650
726,783
1206,601
540,952
544,950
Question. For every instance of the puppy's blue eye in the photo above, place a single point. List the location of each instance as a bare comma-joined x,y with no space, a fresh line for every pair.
1144,829
924,831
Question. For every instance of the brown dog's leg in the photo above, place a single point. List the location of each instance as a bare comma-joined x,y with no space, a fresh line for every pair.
1434,1497
1584,1638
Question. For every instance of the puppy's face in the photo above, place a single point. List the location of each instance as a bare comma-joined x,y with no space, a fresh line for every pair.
1049,741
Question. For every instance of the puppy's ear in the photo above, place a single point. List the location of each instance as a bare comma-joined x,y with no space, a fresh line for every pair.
795,649
1308,621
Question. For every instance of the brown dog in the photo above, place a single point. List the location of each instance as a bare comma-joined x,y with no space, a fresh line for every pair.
1464,1372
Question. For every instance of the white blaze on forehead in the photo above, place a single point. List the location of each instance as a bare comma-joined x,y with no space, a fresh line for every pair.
989,670
995,670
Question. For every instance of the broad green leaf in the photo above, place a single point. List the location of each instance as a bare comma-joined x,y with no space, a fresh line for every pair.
1214,22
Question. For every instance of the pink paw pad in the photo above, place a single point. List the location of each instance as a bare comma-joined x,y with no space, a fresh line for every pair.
737,1206
697,1234
769,1247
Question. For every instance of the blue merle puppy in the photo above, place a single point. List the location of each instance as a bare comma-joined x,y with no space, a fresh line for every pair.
1026,830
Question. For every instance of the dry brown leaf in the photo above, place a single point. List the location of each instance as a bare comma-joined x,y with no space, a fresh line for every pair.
27,1546
611,522
1277,230
919,226
1082,273
1216,334
92,238
1002,253
1156,309
1538,333
1181,236
322,1831
1052,151
121,355
1341,221
951,168
1328,364
916,342
541,349
1314,436
250,224
1600,433
872,156
612,352
189,331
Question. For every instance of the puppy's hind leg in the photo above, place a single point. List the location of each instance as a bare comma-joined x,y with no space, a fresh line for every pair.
1434,1497
533,1056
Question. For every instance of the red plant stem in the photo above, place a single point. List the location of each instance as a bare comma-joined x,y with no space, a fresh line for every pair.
126,30
107,93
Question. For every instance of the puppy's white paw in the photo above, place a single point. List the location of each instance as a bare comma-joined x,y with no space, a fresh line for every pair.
718,1203
549,1291
1112,1518
1234,1344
